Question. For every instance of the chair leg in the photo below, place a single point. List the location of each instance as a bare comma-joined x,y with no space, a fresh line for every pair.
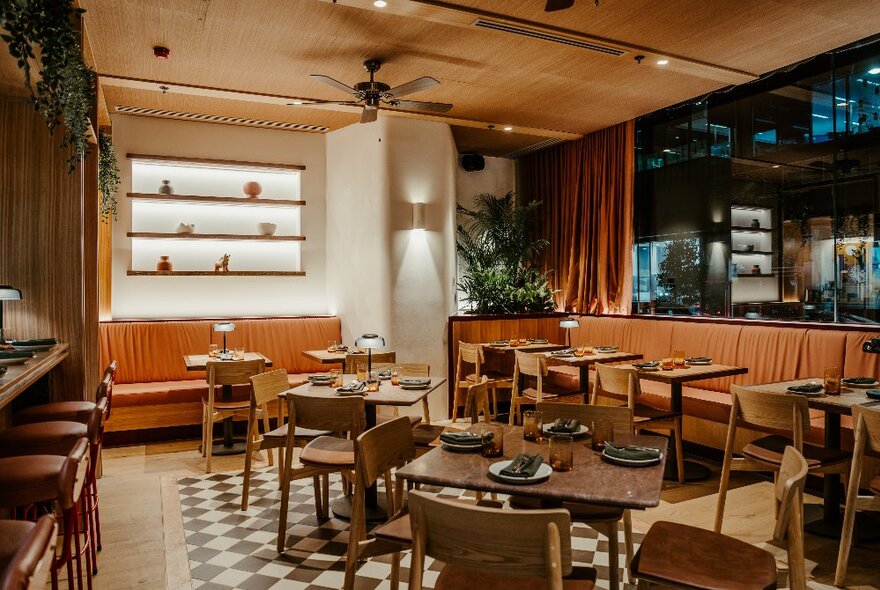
285,500
209,443
280,464
248,459
679,454
325,496
316,483
849,517
795,537
628,542
266,429
395,570
77,547
613,555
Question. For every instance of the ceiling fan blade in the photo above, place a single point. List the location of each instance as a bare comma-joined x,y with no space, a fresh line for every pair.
554,5
416,85
306,103
418,105
369,115
334,83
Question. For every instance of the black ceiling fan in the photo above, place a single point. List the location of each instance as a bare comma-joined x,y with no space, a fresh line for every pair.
371,95
554,5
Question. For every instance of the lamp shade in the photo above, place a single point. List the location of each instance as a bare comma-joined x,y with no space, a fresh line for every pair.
370,341
224,327
569,323
8,293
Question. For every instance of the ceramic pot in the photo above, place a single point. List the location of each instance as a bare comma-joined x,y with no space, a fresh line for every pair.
164,265
252,189
186,228
166,188
266,228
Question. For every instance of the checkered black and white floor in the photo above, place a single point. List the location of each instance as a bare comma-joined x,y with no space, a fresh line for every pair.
229,548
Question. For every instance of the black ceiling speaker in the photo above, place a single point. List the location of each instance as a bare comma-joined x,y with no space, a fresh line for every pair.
472,162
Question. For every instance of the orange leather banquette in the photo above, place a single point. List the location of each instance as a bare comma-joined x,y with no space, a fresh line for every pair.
771,353
153,388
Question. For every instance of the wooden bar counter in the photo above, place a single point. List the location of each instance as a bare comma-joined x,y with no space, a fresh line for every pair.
19,377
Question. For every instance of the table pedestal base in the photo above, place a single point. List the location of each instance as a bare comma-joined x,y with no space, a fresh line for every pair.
342,507
865,530
237,448
692,471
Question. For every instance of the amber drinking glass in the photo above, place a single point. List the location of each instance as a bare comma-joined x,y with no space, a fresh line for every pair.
832,381
514,340
336,374
373,383
238,353
678,359
602,430
213,350
666,364
395,376
579,351
493,439
331,346
532,422
561,452
361,372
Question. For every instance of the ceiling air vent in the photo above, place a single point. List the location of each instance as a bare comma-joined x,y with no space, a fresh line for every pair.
221,119
545,35
550,142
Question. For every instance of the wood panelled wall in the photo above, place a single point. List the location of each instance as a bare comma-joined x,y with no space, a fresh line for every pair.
48,244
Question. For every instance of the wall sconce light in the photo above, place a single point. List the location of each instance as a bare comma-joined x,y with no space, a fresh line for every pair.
418,216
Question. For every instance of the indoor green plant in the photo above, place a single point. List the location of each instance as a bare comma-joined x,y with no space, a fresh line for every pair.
500,255
108,176
41,34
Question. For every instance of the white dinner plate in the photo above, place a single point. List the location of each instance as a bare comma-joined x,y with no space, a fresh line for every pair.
860,385
581,432
35,348
632,462
542,474
18,361
700,363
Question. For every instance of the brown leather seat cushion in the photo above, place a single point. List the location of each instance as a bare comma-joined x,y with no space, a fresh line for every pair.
453,577
691,557
397,529
874,486
281,432
769,449
83,412
30,478
329,450
22,545
12,534
579,512
43,438
127,395
565,377
383,418
425,434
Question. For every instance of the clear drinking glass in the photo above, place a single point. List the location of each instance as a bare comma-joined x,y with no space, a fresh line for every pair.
493,439
832,381
561,452
532,422
361,372
238,353
666,364
213,350
602,430
331,346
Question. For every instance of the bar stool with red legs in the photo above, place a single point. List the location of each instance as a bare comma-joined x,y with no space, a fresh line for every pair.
27,482
26,552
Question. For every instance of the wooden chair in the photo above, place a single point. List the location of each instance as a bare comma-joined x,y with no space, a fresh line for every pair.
353,360
775,412
407,370
621,382
867,433
683,556
477,402
266,388
220,373
473,354
492,548
601,518
377,451
323,455
534,366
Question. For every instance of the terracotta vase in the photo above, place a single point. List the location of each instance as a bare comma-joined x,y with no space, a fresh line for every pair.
164,265
166,188
252,189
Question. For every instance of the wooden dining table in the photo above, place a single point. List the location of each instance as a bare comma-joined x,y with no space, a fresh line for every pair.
585,362
834,407
388,395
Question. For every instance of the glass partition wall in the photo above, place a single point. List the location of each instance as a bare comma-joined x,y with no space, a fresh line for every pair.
758,202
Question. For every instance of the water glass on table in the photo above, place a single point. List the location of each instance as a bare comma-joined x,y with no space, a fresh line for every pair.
336,375
532,422
832,381
331,346
492,439
678,359
213,350
561,452
602,430
395,376
238,353
361,372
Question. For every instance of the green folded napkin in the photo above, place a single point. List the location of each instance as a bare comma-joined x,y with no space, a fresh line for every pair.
35,342
564,352
699,359
320,377
631,453
461,438
353,387
538,340
859,380
8,354
415,381
806,388
385,373
523,465
564,426
647,365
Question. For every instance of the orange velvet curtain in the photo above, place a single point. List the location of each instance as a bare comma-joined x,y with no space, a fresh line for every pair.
587,190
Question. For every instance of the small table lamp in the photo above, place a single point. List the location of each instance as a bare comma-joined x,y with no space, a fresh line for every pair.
568,324
224,327
370,341
7,293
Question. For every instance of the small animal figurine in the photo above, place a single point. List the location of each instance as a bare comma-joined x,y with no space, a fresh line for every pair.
222,265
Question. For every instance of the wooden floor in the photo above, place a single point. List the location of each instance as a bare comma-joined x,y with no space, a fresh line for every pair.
141,520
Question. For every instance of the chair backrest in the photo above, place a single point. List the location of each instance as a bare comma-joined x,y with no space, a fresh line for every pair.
531,364
789,490
353,360
471,354
867,428
509,542
617,381
383,447
775,411
267,386
337,414
30,565
621,417
478,401
233,372
72,476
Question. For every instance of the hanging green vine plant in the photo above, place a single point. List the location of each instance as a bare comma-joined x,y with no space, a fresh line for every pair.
108,176
41,35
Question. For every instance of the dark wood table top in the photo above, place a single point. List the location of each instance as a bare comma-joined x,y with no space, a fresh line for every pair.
325,357
388,395
592,479
198,362
837,404
591,359
19,377
531,347
690,373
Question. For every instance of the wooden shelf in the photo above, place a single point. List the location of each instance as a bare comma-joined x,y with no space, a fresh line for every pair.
750,230
211,200
750,275
762,252
230,237
214,162
749,208
210,273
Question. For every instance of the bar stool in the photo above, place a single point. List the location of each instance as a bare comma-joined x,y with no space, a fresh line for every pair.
26,552
31,479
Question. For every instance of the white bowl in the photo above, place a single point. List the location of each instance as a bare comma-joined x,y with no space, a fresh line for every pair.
267,229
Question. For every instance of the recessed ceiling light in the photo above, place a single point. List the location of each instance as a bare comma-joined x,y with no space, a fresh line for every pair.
775,165
380,4
874,71
297,102
508,128
662,62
